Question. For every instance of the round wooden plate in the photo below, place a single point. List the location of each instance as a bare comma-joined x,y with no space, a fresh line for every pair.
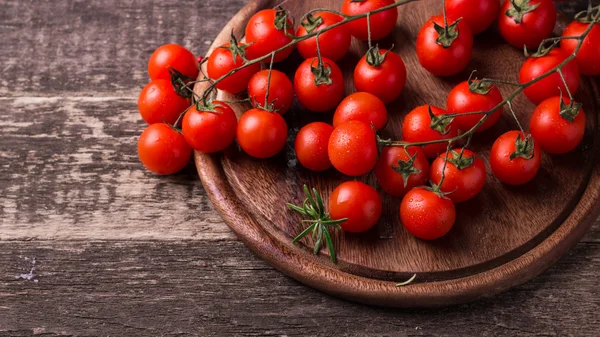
502,238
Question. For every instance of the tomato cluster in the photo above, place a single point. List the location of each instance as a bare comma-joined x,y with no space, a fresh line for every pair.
181,120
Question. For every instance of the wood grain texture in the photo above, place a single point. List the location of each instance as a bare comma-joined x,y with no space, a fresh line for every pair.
202,289
502,238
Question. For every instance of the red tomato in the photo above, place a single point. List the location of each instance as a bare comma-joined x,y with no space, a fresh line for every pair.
210,131
525,162
334,44
160,103
382,74
426,214
311,146
358,202
465,175
266,32
352,148
361,106
281,92
463,100
479,14
315,93
444,56
399,170
418,127
261,134
589,53
382,23
163,150
221,62
556,132
527,26
172,56
549,86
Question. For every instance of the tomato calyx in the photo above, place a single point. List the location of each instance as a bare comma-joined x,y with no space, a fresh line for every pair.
374,57
208,106
437,189
179,81
518,9
281,17
439,123
321,73
236,49
320,222
406,168
543,49
523,147
587,16
311,22
459,160
480,87
446,34
569,111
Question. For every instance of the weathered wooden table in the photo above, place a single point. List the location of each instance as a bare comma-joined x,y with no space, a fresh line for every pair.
93,244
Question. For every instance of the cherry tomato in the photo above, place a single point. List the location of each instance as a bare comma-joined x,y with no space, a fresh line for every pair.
334,44
382,74
261,134
527,25
160,103
549,86
314,93
266,32
427,215
382,23
444,56
589,53
465,98
399,170
479,14
525,161
172,56
358,202
556,132
163,150
352,148
418,127
311,146
465,174
221,62
361,106
210,131
281,92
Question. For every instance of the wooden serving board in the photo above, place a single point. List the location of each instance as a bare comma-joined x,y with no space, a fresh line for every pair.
502,238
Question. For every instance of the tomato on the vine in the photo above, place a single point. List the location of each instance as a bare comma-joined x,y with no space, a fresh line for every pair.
382,73
427,214
468,97
163,150
209,130
363,107
588,57
267,31
311,146
527,24
281,91
479,14
464,174
426,123
358,202
221,62
400,169
334,44
160,103
261,134
515,158
172,56
557,125
319,87
552,85
382,23
444,51
352,148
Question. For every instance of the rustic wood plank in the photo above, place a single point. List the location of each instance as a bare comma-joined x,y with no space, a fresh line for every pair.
69,170
199,288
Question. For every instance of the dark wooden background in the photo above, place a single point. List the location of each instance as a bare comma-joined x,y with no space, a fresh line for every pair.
92,244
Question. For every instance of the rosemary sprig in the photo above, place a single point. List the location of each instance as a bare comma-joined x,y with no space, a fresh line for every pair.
320,222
